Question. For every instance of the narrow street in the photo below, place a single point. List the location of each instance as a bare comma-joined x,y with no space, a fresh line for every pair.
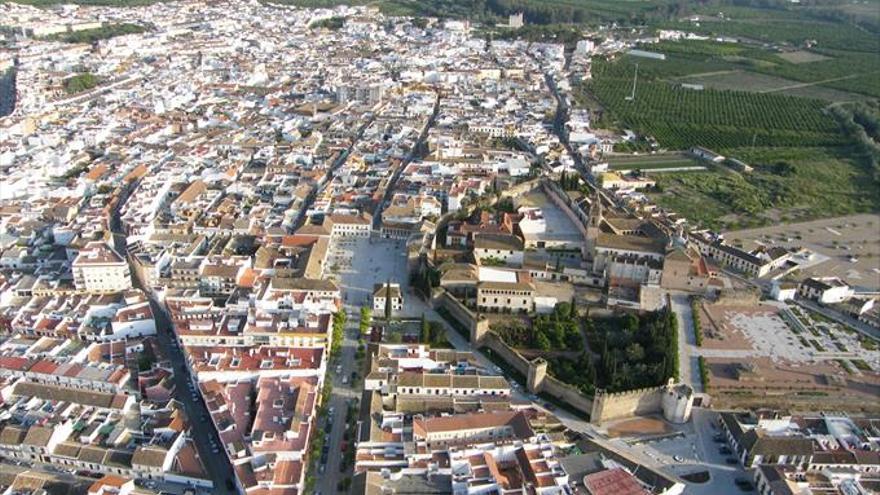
202,430
395,176
328,177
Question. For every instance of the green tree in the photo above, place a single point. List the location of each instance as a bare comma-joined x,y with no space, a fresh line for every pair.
425,334
366,319
635,353
80,82
339,320
542,342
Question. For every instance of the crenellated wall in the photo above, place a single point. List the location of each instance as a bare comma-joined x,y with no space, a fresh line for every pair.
610,406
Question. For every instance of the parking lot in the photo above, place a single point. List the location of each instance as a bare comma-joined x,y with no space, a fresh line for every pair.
694,450
850,243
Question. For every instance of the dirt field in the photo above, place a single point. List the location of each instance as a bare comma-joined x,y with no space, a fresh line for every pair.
751,380
851,243
755,353
635,427
718,334
753,81
802,57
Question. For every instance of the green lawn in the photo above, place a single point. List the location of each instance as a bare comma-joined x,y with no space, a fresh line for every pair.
651,162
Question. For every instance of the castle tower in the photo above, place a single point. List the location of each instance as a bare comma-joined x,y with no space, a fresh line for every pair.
537,373
677,402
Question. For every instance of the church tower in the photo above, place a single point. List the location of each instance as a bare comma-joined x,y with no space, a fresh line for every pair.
594,223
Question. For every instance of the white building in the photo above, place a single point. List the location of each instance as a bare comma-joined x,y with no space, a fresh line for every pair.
826,290
99,268
499,247
783,291
348,225
381,293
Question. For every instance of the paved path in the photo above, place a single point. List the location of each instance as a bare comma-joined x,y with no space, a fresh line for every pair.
688,355
814,83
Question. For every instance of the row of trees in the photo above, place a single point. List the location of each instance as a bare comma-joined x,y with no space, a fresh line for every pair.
339,320
366,320
861,121
96,34
569,181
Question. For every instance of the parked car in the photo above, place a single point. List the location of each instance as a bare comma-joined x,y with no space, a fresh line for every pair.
744,484
731,460
725,450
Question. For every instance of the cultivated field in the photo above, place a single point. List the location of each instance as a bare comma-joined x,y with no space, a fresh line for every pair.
802,57
680,118
739,80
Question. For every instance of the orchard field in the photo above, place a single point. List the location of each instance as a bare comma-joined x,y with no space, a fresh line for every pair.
680,118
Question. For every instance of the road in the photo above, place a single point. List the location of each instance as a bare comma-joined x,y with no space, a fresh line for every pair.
839,318
722,475
202,430
341,395
561,132
395,176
